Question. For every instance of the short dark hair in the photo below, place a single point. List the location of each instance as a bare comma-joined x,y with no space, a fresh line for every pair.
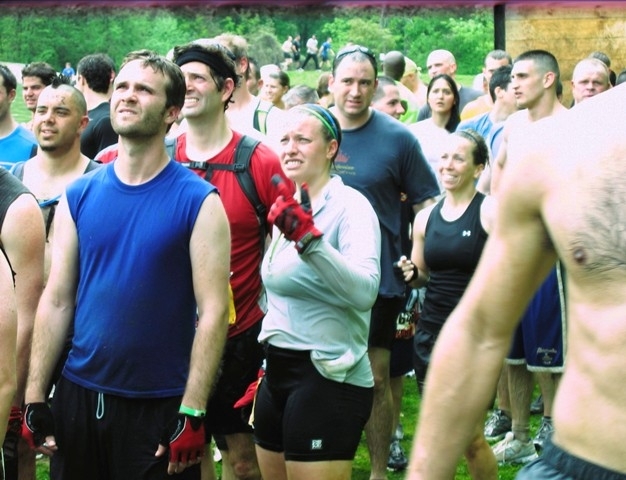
383,81
499,55
219,59
543,59
63,82
480,152
42,70
603,57
175,88
356,52
97,69
8,79
500,78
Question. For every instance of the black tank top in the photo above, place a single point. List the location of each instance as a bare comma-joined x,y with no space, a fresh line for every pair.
10,189
451,252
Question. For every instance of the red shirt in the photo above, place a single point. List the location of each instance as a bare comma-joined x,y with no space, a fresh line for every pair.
245,256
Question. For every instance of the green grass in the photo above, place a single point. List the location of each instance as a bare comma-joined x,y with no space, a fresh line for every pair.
410,409
309,77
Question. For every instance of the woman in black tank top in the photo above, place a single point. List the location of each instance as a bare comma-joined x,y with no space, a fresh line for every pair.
448,239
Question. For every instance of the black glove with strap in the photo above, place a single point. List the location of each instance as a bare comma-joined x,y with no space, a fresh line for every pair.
37,424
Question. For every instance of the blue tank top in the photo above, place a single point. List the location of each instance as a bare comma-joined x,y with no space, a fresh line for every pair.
135,308
451,251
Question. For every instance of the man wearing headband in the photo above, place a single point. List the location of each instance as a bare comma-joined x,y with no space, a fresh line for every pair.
382,159
249,114
211,78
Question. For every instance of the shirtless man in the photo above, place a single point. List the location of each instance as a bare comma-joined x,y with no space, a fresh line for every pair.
567,206
538,343
60,118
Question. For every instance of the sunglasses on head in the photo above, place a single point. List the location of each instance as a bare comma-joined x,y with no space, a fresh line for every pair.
350,49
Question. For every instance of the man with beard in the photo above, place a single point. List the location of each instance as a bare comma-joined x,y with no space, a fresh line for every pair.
140,267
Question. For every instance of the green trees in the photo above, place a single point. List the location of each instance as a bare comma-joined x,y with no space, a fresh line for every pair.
60,34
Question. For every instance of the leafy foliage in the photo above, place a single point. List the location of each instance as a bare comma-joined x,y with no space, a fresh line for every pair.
60,34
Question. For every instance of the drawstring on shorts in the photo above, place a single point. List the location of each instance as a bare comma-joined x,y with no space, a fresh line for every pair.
100,406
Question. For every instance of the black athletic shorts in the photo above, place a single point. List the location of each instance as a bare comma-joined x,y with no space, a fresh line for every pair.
423,344
401,361
556,464
307,416
106,436
242,358
383,321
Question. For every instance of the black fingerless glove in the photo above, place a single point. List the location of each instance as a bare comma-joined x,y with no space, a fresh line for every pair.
37,424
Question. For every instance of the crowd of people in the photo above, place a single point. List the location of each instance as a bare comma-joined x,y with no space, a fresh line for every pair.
198,254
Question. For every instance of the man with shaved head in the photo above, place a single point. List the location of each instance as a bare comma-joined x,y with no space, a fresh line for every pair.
394,65
442,61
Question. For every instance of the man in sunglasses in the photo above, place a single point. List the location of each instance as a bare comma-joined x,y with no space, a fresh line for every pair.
382,159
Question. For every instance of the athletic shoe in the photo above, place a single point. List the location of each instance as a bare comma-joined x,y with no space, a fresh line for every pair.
544,432
511,450
536,407
497,425
397,458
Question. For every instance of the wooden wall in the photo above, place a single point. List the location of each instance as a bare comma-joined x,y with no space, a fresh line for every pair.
570,31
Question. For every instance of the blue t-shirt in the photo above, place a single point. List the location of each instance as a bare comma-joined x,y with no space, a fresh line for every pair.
382,159
68,72
481,124
489,131
17,146
135,306
325,50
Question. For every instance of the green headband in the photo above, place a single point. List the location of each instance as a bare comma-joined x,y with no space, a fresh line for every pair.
328,123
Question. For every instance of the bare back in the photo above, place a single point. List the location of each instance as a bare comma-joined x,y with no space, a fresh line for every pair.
576,163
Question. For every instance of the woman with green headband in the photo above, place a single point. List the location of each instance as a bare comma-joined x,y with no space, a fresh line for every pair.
321,273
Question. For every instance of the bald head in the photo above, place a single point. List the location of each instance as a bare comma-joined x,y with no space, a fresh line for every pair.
441,61
394,64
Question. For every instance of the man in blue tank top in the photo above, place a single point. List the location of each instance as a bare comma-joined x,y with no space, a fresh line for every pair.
140,267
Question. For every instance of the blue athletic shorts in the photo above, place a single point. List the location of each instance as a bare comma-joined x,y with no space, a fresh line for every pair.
556,464
307,416
539,339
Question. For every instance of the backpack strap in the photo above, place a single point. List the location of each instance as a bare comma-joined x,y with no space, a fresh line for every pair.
18,170
170,146
243,154
259,120
241,168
